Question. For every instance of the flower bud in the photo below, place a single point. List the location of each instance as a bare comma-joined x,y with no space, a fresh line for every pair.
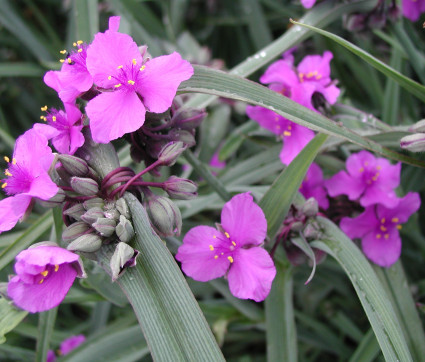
84,186
124,229
64,175
180,188
95,202
414,142
122,208
164,215
111,212
312,231
73,165
75,230
75,211
87,243
56,200
124,256
170,152
310,208
297,226
418,126
183,136
92,215
105,226
188,118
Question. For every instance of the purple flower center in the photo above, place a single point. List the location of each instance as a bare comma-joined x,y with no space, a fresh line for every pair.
127,77
369,174
18,179
310,76
224,248
57,119
78,56
386,226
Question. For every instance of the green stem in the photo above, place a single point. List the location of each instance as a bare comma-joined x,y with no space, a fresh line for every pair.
46,323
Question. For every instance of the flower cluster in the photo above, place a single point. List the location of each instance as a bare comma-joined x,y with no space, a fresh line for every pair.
308,84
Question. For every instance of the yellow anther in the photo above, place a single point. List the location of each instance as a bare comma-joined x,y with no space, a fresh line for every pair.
214,236
44,109
118,85
7,159
395,219
4,185
7,173
119,67
319,76
80,50
131,82
215,256
56,267
366,163
54,118
43,118
361,169
222,253
278,127
276,118
301,75
110,77
230,259
44,273
41,281
63,51
227,235
383,228
383,220
233,243
13,161
211,247
79,42
142,67
378,167
378,236
69,61
289,127
286,133
310,74
74,44
134,61
386,236
399,227
62,60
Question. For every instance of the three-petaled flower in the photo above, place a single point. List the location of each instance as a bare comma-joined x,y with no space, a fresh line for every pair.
234,249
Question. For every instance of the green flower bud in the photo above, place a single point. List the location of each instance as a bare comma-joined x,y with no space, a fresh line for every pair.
418,126
124,229
297,226
73,165
75,230
310,208
180,188
56,200
95,202
75,211
87,243
182,136
112,214
122,208
414,142
106,227
170,152
123,257
84,186
164,215
92,215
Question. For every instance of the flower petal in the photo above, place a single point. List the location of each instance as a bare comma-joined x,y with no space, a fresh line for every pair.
294,142
361,225
406,206
382,251
244,220
267,119
114,114
280,72
251,274
12,209
197,258
344,184
43,255
43,187
379,195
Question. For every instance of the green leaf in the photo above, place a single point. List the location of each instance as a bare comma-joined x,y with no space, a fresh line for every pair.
235,139
257,25
410,85
86,16
278,199
168,313
21,69
367,350
10,317
370,291
391,102
46,323
210,81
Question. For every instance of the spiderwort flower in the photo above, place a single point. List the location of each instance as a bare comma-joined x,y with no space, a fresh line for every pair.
371,179
208,253
63,128
412,9
45,273
378,227
132,84
67,346
313,186
26,178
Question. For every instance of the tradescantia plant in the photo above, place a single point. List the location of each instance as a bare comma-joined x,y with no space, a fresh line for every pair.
154,141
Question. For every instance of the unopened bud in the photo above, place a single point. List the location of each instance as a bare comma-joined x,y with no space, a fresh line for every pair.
414,142
170,152
64,175
180,188
56,200
297,226
183,136
87,243
105,226
124,256
75,211
188,118
92,215
112,214
164,215
418,126
312,232
84,186
95,202
75,230
310,208
73,165
122,208
124,229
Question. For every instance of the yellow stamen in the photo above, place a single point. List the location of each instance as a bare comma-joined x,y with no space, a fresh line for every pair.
110,77
44,109
4,185
131,82
215,237
230,259
233,243
56,267
289,127
378,167
386,236
44,273
7,173
54,118
383,220
278,127
366,163
119,67
215,256
361,169
118,85
74,44
286,133
43,118
13,161
142,67
134,61
378,236
211,247
383,228
222,253
69,60
227,234
41,281
79,42
63,51
395,219
80,50
318,76
7,159
62,60
399,227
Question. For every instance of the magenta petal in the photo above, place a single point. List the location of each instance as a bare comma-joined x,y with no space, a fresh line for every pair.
76,139
196,255
267,119
251,274
308,3
389,174
41,297
331,93
43,187
73,342
114,23
343,184
114,114
406,206
43,255
46,130
280,72
382,251
378,195
160,80
357,162
411,9
244,220
293,144
51,78
12,209
319,64
361,225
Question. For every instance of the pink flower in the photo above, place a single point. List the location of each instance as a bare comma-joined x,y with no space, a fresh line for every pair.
45,273
132,85
378,227
313,186
370,179
412,9
26,178
64,128
308,3
73,79
208,253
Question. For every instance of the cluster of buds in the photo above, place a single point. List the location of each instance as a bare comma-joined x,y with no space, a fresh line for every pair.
416,141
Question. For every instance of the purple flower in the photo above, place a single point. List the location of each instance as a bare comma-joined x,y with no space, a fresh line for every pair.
67,346
26,178
412,9
63,128
234,250
371,179
313,186
378,228
132,85
73,79
45,273
308,3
